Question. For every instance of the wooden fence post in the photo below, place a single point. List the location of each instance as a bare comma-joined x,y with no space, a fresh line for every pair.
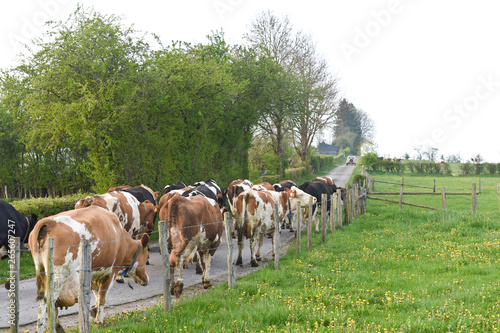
443,198
231,274
14,285
479,185
401,198
297,229
323,217
84,289
162,225
51,304
309,225
434,190
277,227
339,208
333,199
364,200
347,217
474,198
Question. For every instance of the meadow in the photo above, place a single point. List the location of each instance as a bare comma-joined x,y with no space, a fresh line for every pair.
388,271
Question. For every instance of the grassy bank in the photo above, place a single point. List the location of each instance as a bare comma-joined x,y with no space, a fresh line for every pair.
389,271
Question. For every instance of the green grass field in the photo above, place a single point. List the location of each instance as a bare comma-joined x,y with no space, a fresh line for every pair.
388,271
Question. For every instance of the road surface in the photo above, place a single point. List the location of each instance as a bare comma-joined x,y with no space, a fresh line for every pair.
122,294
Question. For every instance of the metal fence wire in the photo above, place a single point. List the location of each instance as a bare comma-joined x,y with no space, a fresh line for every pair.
341,212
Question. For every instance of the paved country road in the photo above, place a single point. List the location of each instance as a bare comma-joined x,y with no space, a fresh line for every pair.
121,295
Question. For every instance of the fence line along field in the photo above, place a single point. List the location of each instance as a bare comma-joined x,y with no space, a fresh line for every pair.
388,271
49,274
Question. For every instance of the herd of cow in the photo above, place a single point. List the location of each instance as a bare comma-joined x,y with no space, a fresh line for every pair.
118,225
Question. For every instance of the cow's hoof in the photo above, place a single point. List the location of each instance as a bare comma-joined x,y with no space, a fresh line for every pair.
119,279
206,284
178,287
291,230
254,263
239,262
199,270
7,285
93,312
257,256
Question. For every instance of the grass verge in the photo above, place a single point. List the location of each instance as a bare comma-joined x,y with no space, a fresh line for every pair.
388,271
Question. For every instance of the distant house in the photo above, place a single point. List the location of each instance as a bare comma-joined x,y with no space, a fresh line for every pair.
325,149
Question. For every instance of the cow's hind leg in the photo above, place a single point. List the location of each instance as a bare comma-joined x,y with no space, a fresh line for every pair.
100,292
239,261
176,288
206,260
261,241
253,260
42,322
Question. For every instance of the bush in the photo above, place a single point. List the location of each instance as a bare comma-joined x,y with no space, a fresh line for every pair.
478,168
315,163
491,167
466,168
370,160
44,207
294,173
359,179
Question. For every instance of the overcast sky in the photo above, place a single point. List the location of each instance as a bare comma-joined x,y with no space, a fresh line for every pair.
426,72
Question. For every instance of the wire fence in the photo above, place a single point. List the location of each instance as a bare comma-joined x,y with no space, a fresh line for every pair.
343,209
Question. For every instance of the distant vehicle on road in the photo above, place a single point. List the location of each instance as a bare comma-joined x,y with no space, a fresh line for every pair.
350,160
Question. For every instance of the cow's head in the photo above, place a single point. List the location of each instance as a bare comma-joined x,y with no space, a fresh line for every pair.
297,195
148,212
138,271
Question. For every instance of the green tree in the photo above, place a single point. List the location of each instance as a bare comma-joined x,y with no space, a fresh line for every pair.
81,83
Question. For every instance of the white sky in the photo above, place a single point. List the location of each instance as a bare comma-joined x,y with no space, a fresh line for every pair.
427,72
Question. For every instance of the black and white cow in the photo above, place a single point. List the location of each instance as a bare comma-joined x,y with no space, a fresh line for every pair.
173,187
142,193
282,185
211,190
316,189
13,224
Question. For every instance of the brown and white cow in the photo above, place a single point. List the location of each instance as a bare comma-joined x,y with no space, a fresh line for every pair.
263,186
328,180
119,188
195,224
254,217
112,250
136,217
233,190
297,196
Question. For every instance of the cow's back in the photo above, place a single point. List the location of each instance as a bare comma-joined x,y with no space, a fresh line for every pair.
142,193
93,223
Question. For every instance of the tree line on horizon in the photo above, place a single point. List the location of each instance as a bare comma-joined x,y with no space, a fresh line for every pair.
92,105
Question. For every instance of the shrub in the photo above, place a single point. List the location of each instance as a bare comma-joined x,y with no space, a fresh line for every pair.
370,160
359,179
44,207
478,168
315,163
466,168
491,168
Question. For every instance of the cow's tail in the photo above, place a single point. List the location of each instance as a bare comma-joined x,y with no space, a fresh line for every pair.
241,223
41,276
